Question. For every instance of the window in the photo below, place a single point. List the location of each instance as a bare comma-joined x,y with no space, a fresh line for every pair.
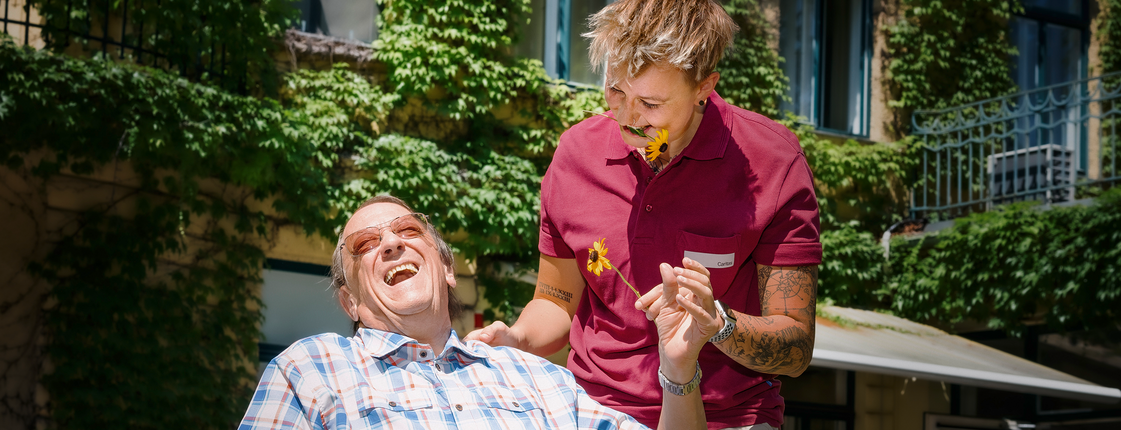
819,399
345,19
298,303
553,35
1052,38
827,61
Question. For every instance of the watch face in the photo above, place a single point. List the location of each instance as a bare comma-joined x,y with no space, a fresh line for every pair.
727,313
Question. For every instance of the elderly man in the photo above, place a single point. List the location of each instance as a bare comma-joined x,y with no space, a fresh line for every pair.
406,368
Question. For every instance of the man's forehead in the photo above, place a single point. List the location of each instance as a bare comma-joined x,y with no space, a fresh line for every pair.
375,214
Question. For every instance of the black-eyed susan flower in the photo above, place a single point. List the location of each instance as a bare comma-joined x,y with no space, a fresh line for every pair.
658,146
597,257
597,262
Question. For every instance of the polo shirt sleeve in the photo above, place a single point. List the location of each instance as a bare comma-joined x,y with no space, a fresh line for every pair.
793,237
550,241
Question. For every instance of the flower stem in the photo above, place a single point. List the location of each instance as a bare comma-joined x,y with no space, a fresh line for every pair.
628,284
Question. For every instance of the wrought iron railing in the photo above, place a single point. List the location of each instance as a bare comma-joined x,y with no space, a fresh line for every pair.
1053,144
207,42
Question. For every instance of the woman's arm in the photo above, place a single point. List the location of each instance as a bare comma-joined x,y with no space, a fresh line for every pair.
780,341
542,328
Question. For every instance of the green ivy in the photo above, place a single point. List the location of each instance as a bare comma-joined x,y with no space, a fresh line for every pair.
944,53
154,322
750,74
1108,33
1014,265
452,48
179,304
227,43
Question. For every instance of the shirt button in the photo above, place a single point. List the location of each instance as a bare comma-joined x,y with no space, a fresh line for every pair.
649,208
516,405
423,354
649,179
459,408
393,404
438,367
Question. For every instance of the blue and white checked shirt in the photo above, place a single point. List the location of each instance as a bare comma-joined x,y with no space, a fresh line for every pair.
378,379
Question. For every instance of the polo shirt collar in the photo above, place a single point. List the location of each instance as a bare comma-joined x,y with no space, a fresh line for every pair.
709,143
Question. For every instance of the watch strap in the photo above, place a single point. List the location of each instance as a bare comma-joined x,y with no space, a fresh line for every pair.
729,324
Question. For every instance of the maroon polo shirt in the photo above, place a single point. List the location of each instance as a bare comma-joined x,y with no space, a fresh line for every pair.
741,193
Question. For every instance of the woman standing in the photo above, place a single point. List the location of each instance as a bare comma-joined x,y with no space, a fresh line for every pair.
677,188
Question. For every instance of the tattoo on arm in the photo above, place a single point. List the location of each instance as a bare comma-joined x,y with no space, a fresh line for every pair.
551,291
774,343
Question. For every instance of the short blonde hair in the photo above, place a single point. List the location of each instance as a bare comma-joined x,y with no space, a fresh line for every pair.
690,35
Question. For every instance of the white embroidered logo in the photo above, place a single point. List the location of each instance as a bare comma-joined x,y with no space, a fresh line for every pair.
712,261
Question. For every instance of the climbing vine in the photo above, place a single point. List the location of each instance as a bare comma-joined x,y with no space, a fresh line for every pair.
751,75
944,53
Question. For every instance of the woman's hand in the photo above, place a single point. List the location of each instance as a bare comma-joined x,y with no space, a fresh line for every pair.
693,274
496,334
685,316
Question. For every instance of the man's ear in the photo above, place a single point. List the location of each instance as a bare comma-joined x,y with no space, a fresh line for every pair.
348,302
449,275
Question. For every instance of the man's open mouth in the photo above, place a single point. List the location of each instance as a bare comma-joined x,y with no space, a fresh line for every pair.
401,273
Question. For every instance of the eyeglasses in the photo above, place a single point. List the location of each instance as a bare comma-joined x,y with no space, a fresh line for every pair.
367,239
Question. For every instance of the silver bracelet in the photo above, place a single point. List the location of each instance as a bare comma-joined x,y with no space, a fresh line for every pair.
678,389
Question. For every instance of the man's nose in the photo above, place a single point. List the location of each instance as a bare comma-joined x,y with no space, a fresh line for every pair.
391,243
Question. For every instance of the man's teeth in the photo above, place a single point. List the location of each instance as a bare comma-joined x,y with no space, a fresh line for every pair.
394,271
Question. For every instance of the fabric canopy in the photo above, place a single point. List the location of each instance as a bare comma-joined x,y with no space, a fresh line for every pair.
853,339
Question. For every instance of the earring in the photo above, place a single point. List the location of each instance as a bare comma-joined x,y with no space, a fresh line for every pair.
701,103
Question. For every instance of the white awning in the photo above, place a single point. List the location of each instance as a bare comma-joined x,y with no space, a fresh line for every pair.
853,339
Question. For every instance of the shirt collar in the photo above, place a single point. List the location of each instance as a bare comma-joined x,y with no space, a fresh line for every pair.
709,143
381,344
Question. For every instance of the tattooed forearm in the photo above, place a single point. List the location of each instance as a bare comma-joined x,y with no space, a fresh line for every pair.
781,340
551,291
784,351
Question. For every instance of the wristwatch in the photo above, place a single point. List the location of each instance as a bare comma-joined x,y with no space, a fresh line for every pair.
678,389
729,323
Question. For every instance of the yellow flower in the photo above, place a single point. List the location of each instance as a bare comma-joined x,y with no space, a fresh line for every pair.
597,257
658,146
597,261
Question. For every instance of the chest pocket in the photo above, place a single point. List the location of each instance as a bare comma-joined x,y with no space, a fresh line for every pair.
379,408
718,254
510,403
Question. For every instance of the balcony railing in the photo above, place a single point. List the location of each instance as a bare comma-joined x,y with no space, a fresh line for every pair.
1052,144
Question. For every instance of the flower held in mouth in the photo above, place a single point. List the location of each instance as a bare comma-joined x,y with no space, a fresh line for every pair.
658,146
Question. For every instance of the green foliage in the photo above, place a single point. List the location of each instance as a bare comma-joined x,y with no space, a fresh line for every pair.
485,180
153,287
452,49
151,316
224,42
946,53
491,196
1006,267
750,74
1108,33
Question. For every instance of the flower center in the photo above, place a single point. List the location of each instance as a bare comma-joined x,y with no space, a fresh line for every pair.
664,147
593,256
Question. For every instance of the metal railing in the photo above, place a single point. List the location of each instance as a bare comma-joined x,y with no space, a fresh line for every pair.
1053,144
123,29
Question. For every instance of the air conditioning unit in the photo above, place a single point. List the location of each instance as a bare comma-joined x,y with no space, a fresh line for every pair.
1041,172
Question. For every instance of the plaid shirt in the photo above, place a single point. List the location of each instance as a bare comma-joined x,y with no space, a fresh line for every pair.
379,380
